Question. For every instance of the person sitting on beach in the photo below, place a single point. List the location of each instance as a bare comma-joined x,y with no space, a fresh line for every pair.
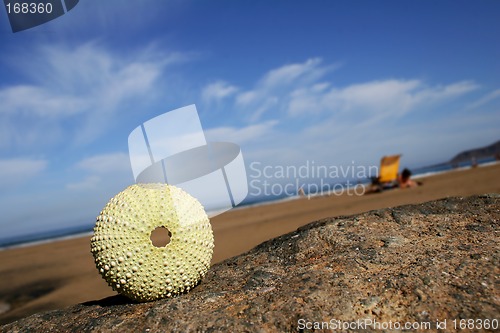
405,181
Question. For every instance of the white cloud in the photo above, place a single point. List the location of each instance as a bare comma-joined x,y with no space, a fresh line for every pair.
274,88
217,91
373,96
106,163
38,101
18,170
89,183
247,97
485,99
113,169
242,135
376,99
301,90
308,71
267,104
440,93
78,91
322,121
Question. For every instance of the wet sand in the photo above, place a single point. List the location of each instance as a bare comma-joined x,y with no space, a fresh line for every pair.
58,274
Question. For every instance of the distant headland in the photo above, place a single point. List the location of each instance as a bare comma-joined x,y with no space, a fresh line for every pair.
492,150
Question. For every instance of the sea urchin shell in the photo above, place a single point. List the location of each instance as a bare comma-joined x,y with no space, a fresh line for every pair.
125,255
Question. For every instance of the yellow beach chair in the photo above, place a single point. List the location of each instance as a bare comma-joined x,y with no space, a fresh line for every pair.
389,166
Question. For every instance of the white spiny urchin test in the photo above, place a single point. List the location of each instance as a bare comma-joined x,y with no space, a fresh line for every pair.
125,255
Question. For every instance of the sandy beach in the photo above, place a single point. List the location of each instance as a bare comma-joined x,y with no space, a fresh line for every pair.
58,274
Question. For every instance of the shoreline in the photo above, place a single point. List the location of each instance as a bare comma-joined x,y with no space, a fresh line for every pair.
46,241
248,206
56,274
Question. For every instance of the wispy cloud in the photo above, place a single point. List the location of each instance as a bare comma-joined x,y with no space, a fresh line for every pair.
241,135
40,102
89,183
19,170
217,91
106,163
79,91
103,168
272,91
485,99
316,115
309,71
373,101
301,89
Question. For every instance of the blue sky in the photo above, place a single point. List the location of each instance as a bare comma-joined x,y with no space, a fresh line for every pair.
334,82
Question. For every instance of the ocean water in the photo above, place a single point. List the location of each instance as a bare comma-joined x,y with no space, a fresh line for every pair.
434,169
68,233
44,237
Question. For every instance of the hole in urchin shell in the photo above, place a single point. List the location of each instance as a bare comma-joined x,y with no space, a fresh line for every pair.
160,237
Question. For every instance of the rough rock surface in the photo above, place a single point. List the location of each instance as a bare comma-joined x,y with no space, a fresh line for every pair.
419,263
